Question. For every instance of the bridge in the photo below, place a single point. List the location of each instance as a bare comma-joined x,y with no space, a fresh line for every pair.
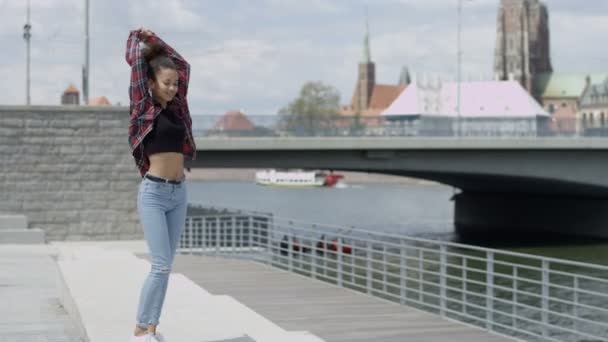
508,185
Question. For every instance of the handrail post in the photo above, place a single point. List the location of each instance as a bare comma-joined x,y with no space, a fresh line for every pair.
384,268
188,228
203,234
489,290
545,296
339,260
442,278
313,260
576,301
250,233
515,296
420,275
368,268
217,235
192,228
465,286
233,221
269,234
402,273
289,253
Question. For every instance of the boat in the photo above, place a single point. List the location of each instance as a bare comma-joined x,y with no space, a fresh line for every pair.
297,178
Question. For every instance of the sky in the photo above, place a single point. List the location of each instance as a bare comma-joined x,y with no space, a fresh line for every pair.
254,55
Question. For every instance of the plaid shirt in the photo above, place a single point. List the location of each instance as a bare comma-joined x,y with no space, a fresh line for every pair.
144,109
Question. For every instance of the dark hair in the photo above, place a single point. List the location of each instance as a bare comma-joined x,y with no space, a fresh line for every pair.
157,58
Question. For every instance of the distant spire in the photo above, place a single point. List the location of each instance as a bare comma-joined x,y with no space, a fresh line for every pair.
367,55
405,78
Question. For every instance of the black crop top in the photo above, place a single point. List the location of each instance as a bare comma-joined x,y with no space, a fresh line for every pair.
167,134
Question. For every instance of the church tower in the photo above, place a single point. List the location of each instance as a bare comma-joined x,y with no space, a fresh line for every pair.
522,41
366,79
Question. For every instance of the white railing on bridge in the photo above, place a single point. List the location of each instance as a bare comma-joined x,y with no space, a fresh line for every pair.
492,126
529,297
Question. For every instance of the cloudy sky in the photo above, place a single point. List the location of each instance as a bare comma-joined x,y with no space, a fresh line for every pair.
254,55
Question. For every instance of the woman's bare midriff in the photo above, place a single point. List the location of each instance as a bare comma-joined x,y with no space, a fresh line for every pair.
168,165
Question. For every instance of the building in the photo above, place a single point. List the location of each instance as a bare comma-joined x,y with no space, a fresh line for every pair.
522,41
370,98
484,108
71,96
594,109
99,101
236,123
561,94
523,54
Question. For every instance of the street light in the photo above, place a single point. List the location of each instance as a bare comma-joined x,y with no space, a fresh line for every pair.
459,67
86,66
27,35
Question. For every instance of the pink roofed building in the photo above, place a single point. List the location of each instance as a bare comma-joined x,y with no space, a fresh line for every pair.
492,108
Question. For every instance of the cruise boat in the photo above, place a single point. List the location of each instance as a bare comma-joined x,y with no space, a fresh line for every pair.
296,178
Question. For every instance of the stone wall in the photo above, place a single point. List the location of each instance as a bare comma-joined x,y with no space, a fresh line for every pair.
70,171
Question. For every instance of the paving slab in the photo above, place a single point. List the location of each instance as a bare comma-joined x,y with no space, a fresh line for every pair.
100,289
30,310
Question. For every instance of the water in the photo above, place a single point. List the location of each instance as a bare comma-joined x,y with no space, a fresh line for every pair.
411,209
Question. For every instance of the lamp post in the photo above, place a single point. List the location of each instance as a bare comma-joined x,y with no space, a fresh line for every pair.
458,67
27,35
86,67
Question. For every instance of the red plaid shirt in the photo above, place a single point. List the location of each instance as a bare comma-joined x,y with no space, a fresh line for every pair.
144,108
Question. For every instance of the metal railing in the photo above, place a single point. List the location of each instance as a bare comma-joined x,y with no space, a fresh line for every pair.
397,126
525,296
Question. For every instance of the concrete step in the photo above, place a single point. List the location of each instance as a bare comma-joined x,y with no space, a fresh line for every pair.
10,221
100,289
22,236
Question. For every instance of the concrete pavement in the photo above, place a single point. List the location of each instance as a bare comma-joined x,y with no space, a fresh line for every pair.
30,310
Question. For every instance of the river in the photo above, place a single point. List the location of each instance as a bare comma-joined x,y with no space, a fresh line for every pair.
410,209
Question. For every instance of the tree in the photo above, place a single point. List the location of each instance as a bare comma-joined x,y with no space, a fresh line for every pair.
313,111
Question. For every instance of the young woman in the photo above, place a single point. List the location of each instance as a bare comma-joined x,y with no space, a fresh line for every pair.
160,135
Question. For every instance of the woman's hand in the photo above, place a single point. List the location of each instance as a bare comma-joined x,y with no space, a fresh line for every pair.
145,33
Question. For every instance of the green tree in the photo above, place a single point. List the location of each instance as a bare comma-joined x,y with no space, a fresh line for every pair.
313,111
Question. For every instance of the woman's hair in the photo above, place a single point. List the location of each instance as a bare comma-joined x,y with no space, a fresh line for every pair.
157,58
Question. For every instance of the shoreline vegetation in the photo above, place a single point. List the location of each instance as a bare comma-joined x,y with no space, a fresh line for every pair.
248,175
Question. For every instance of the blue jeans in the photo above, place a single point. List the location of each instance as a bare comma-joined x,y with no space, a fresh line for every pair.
162,212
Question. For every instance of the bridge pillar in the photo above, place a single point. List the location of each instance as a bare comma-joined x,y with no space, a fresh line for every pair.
522,216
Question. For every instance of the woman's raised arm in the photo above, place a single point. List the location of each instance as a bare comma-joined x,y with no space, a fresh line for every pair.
138,89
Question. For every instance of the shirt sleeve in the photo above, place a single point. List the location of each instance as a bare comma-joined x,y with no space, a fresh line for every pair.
138,89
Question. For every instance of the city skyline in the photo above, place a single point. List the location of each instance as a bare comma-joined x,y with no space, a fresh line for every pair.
256,58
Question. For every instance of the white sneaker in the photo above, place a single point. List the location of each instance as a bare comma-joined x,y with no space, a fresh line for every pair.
148,338
157,338
142,338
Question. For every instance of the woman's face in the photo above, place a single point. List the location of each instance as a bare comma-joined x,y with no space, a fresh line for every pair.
165,86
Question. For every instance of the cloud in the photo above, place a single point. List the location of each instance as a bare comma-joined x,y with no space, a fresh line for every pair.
225,72
166,15
256,55
449,3
576,50
308,5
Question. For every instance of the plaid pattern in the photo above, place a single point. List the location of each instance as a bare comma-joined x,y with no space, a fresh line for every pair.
144,108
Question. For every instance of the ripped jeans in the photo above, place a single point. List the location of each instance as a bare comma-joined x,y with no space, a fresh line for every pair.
162,212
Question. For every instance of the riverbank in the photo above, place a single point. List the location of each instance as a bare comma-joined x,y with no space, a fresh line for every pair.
248,175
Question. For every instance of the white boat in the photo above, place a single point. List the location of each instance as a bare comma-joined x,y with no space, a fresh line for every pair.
296,178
